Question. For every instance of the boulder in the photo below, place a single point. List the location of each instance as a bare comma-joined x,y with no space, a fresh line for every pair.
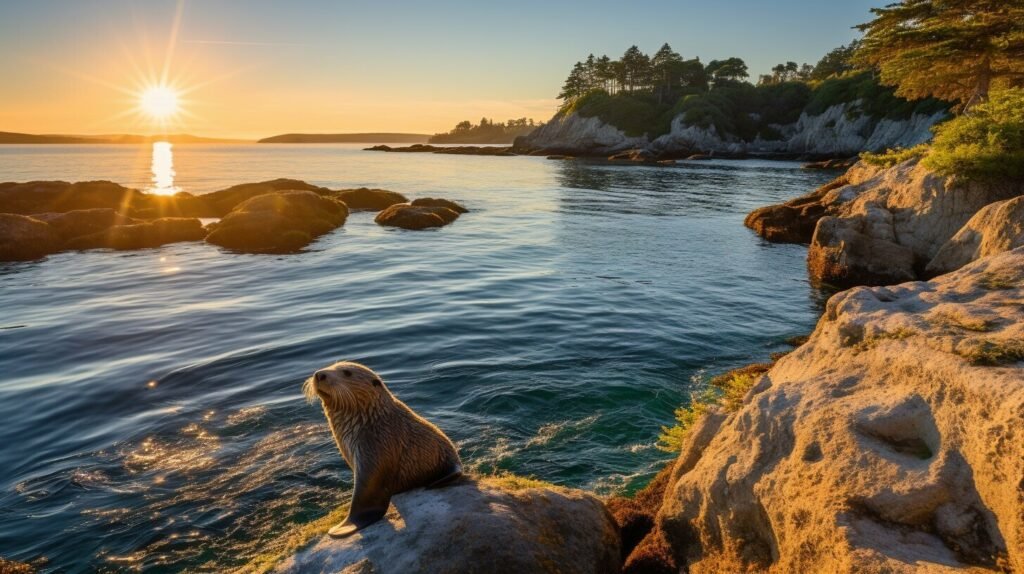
79,222
23,238
220,203
438,202
409,216
59,196
279,222
996,228
883,215
370,199
888,443
795,220
141,235
494,525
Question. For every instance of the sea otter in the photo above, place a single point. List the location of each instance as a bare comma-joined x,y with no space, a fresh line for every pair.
389,448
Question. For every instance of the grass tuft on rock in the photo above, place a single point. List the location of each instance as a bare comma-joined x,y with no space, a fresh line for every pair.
725,391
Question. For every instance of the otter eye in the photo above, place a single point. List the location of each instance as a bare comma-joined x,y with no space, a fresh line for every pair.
347,373
377,383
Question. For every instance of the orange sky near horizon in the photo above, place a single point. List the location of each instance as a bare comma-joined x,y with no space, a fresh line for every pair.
261,67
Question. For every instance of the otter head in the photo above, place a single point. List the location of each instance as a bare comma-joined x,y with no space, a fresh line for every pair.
347,387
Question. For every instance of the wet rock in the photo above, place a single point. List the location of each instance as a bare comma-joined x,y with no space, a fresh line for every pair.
141,235
80,222
795,220
59,196
23,238
438,202
698,157
409,216
637,155
452,150
279,222
845,163
887,443
998,227
222,202
489,525
370,199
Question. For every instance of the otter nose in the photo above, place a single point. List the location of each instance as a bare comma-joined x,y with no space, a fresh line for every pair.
320,376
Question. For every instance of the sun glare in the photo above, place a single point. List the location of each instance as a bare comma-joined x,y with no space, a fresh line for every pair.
159,102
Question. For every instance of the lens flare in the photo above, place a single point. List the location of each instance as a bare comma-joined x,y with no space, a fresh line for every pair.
159,102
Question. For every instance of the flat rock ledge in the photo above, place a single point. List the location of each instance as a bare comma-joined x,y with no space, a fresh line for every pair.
494,525
890,442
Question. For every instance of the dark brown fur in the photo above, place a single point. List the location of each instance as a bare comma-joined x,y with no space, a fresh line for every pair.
389,448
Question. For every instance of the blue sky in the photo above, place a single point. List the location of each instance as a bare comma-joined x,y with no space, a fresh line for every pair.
258,67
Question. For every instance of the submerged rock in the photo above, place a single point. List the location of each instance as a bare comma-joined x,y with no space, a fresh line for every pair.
366,198
141,235
996,228
23,238
279,222
438,202
494,525
409,216
888,443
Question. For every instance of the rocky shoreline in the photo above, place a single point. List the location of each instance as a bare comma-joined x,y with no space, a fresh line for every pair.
278,216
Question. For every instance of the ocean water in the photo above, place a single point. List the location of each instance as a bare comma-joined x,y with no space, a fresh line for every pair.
150,408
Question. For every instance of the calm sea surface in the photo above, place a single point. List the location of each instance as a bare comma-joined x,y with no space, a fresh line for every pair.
150,410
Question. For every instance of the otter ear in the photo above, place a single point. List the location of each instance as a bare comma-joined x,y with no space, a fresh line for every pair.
376,382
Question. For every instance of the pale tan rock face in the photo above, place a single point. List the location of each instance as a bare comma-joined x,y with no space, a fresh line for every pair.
892,441
486,525
996,228
906,210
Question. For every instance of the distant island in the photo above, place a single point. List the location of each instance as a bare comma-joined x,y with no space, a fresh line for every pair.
347,138
20,138
487,132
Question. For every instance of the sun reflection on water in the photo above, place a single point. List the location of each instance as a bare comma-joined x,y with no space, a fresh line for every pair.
163,170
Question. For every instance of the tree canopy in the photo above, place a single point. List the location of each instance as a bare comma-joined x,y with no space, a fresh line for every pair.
954,50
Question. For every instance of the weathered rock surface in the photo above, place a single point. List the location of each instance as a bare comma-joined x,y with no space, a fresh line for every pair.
278,222
409,216
142,234
996,228
886,225
72,224
840,131
795,220
220,203
438,202
573,134
23,238
476,526
889,442
370,199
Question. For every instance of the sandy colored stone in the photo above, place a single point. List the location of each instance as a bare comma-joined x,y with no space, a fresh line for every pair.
996,228
278,222
485,525
890,442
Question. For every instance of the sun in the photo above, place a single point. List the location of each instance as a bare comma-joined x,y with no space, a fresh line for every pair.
159,102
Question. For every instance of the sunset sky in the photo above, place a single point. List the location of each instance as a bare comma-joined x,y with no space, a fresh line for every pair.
257,68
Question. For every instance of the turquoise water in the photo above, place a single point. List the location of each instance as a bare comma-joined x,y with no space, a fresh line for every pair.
150,405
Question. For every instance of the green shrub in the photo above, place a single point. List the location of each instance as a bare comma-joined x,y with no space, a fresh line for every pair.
986,143
876,100
634,114
894,157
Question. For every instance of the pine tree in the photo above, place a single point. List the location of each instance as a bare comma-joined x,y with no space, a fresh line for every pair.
666,68
954,50
576,84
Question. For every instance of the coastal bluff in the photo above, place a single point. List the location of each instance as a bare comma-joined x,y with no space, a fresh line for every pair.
889,442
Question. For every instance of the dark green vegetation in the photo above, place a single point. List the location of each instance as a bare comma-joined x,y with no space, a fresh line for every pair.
347,138
487,132
641,94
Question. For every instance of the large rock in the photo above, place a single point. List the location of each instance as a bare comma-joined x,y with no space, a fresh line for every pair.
889,226
369,199
142,234
577,135
439,202
996,228
409,216
278,222
80,222
497,526
795,220
888,443
23,238
220,203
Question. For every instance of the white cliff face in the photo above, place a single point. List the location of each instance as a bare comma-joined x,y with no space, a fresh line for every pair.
838,131
889,442
576,134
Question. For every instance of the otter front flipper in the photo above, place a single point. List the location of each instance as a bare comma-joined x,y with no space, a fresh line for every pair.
369,504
